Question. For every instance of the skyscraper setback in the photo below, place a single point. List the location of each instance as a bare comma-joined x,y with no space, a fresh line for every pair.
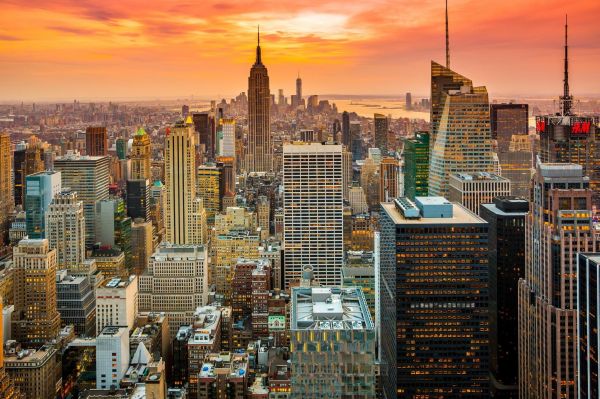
259,157
558,227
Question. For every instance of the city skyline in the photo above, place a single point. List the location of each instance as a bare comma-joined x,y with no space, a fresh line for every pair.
119,50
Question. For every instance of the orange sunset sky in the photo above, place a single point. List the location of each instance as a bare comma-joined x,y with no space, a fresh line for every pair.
146,49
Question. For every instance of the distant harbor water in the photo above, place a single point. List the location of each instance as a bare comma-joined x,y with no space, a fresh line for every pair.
368,107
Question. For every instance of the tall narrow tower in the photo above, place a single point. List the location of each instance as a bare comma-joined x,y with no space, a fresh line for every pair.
566,100
141,153
299,89
260,150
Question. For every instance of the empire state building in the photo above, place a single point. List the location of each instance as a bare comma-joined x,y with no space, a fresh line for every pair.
260,150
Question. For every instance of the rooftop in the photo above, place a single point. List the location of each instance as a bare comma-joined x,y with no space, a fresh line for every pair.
311,147
560,170
477,176
460,215
233,364
327,308
110,331
117,282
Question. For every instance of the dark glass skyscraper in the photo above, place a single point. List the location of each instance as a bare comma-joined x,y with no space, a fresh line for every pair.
433,287
588,270
381,126
346,138
416,166
507,120
96,141
259,157
506,219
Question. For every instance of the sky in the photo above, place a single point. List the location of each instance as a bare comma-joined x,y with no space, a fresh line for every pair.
152,49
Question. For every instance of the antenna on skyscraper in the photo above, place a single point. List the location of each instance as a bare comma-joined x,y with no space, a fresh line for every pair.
447,39
566,99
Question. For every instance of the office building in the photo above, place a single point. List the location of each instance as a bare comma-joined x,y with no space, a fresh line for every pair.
96,141
434,334
263,215
313,211
35,372
35,318
356,147
89,177
587,324
461,137
506,121
224,375
408,102
114,227
175,282
141,155
516,164
40,189
185,217
76,303
346,138
381,126
112,356
116,302
558,226
138,199
259,157
141,245
226,248
416,166
6,194
332,348
205,339
210,189
110,261
506,219
359,271
121,145
358,200
474,189
27,160
8,390
65,230
205,126
389,173
227,141
569,138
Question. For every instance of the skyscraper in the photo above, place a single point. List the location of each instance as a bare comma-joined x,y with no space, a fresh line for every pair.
138,199
183,212
176,282
89,177
6,194
7,386
416,166
210,189
313,211
507,120
434,332
389,172
346,138
65,230
460,131
112,356
96,141
299,89
259,157
141,154
332,348
506,219
558,226
588,269
27,160
35,319
569,138
473,189
381,125
40,189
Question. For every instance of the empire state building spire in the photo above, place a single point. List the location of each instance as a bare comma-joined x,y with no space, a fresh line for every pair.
258,54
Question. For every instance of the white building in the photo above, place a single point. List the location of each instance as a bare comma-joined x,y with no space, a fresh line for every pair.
116,303
473,189
175,282
112,356
227,143
313,211
65,230
358,200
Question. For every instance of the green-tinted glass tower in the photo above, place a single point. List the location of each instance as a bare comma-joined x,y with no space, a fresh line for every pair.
416,166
